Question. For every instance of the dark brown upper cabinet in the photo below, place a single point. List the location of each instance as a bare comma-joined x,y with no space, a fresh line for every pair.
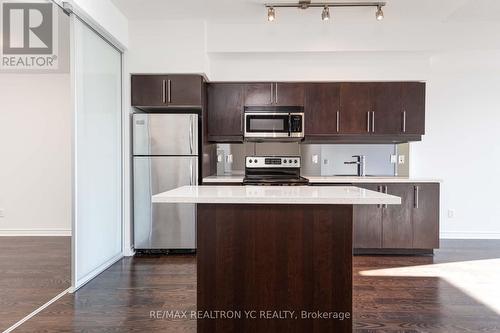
225,116
386,110
289,94
413,108
274,94
349,112
322,109
398,108
149,90
391,109
356,108
258,94
167,91
184,90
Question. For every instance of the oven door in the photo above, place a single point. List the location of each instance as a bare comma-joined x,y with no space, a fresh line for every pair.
267,125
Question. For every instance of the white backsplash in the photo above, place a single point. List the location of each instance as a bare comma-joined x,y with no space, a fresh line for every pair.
330,159
317,160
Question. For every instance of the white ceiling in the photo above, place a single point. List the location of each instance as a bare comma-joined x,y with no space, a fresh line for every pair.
253,11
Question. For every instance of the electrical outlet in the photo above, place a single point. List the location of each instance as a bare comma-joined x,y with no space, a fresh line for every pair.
394,159
451,213
325,161
401,159
315,159
2,212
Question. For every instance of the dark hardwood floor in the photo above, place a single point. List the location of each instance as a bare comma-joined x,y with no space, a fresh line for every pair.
444,293
33,270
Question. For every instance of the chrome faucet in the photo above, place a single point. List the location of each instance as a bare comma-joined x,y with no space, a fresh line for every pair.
361,162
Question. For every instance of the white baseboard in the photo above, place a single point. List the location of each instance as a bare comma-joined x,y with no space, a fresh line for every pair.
35,232
469,235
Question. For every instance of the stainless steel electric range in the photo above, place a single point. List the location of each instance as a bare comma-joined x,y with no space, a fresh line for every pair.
273,170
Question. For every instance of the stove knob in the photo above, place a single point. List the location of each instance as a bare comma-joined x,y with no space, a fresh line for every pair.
289,161
255,161
250,161
284,161
295,161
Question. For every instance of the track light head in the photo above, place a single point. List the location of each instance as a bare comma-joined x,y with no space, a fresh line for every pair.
379,14
271,15
325,15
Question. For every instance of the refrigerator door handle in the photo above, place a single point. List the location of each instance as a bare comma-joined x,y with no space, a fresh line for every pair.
191,173
191,135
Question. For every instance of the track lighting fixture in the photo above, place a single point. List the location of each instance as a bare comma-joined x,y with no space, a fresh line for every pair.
325,14
271,15
379,14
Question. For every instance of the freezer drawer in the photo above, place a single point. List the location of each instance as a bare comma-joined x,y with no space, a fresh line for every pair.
165,134
163,226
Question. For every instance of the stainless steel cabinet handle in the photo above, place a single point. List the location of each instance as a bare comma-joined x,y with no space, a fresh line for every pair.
272,95
416,193
163,91
404,121
276,93
368,122
338,121
373,121
169,91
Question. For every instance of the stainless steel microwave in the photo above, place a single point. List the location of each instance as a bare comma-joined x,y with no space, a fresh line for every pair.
274,123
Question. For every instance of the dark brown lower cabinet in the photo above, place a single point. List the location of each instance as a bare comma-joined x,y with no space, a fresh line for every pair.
367,232
396,219
413,225
425,216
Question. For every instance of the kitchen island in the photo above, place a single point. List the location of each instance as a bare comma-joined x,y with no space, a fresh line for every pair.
274,258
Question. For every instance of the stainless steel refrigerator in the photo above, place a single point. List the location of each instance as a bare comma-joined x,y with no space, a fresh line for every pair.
165,148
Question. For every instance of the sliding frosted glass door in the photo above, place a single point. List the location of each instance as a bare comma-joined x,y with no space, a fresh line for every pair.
97,213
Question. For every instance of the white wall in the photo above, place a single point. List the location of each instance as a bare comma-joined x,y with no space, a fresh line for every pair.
458,59
461,146
158,46
105,13
35,148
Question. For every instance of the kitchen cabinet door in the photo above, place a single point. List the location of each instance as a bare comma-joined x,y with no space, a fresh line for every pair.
289,94
425,216
225,109
148,90
258,94
413,107
387,110
367,223
322,109
184,90
355,106
396,219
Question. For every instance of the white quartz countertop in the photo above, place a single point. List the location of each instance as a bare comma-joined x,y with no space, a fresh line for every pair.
324,195
232,179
